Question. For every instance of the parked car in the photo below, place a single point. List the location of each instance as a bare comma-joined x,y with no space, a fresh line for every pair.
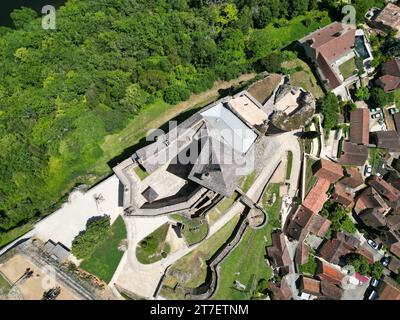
373,244
385,261
374,283
373,295
393,111
367,170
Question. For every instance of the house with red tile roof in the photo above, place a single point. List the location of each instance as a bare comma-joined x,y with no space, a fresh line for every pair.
328,170
369,199
328,272
343,195
389,18
388,289
385,189
390,78
353,178
317,196
359,126
329,48
354,154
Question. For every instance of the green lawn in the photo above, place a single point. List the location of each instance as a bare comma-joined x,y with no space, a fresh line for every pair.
106,257
273,210
8,237
309,268
195,230
248,181
141,173
154,247
194,263
246,264
289,165
310,178
348,68
5,286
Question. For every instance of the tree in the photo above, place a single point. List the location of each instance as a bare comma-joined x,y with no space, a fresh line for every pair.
22,17
271,63
376,270
380,97
86,242
329,107
363,93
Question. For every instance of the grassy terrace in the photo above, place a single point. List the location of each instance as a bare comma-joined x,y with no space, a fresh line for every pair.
194,263
106,257
5,286
7,238
246,263
289,165
195,230
302,76
348,68
310,178
248,181
141,173
154,247
221,208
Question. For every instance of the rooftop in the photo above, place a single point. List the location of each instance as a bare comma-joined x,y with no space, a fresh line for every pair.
317,196
359,126
328,170
354,154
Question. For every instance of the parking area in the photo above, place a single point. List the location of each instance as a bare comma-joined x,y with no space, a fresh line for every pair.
33,287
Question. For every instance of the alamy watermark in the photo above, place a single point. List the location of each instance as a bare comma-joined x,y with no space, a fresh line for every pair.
49,19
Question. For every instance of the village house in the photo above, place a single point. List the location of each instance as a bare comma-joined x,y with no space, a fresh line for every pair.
390,78
343,195
354,154
331,50
389,140
328,170
373,218
317,196
386,190
370,198
304,222
388,289
353,179
278,253
389,19
359,126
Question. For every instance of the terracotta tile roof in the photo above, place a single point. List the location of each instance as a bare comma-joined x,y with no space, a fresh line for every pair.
389,83
278,252
394,265
281,291
328,170
317,196
386,190
359,126
388,140
301,256
338,246
373,218
329,44
393,221
329,273
388,289
395,248
370,198
397,122
353,178
319,225
342,195
354,154
331,291
389,16
310,286
298,226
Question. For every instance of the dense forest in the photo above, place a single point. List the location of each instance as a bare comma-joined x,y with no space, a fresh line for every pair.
63,91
